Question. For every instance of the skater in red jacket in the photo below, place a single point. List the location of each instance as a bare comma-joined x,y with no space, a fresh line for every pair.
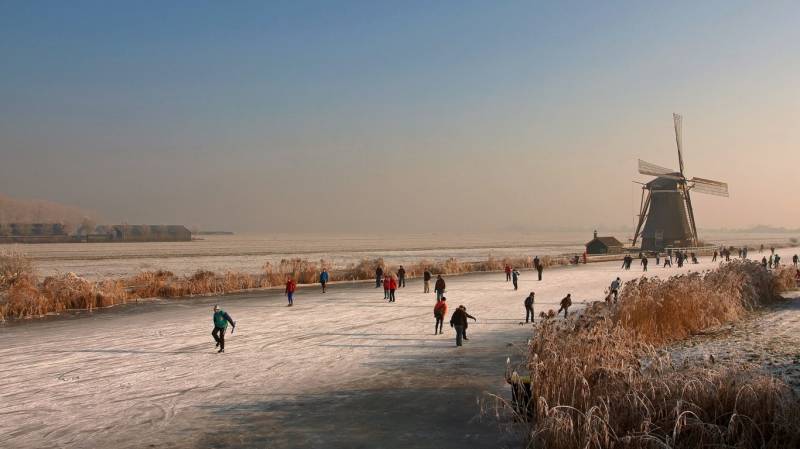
291,286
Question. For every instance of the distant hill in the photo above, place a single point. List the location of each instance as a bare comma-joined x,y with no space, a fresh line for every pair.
41,211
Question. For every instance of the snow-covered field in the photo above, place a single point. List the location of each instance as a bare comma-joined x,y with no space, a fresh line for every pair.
339,370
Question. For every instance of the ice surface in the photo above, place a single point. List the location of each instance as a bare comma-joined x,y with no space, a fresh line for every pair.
346,364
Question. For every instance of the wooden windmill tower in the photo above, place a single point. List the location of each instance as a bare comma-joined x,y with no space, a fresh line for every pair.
666,206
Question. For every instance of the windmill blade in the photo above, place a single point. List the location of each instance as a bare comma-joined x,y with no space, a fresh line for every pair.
709,187
678,120
647,168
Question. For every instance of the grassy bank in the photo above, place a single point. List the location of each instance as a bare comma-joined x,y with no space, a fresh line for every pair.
23,294
602,380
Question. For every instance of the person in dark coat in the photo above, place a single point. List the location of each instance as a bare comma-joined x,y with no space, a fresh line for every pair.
323,279
221,320
378,276
644,263
458,321
401,277
764,262
466,323
426,279
539,267
515,278
714,258
529,307
795,260
508,272
439,287
565,303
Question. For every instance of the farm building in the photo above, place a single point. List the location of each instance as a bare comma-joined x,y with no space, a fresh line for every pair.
141,233
604,245
33,233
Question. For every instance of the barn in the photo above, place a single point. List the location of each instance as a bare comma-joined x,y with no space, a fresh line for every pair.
604,245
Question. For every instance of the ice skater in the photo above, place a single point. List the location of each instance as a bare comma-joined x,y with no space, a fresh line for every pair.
644,263
529,307
378,276
291,286
439,287
458,321
614,288
426,280
515,278
323,279
539,267
439,312
401,277
794,260
221,320
386,282
565,303
392,288
508,272
714,257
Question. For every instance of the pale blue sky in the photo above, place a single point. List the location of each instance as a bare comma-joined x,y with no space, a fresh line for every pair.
421,116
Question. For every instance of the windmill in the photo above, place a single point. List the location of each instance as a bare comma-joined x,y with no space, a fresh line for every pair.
666,207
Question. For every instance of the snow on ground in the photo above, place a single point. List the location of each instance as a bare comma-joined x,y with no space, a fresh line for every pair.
344,369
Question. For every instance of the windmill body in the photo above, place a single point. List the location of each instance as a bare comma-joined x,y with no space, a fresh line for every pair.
667,223
666,216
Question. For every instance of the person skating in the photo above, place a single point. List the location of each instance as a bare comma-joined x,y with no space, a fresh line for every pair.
515,278
714,257
291,286
508,273
401,277
529,307
392,288
466,323
667,262
439,312
386,282
378,276
795,260
439,287
614,288
771,259
426,279
658,261
644,263
539,268
777,261
565,303
458,320
323,279
221,320
764,262
772,249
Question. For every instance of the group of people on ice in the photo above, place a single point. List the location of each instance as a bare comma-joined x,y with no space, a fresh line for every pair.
459,320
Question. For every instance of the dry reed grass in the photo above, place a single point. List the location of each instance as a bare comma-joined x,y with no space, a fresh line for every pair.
22,295
599,381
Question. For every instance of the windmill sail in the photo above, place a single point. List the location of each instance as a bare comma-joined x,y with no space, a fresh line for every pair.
647,168
678,120
709,187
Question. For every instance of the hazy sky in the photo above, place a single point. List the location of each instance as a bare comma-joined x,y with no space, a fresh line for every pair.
417,116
